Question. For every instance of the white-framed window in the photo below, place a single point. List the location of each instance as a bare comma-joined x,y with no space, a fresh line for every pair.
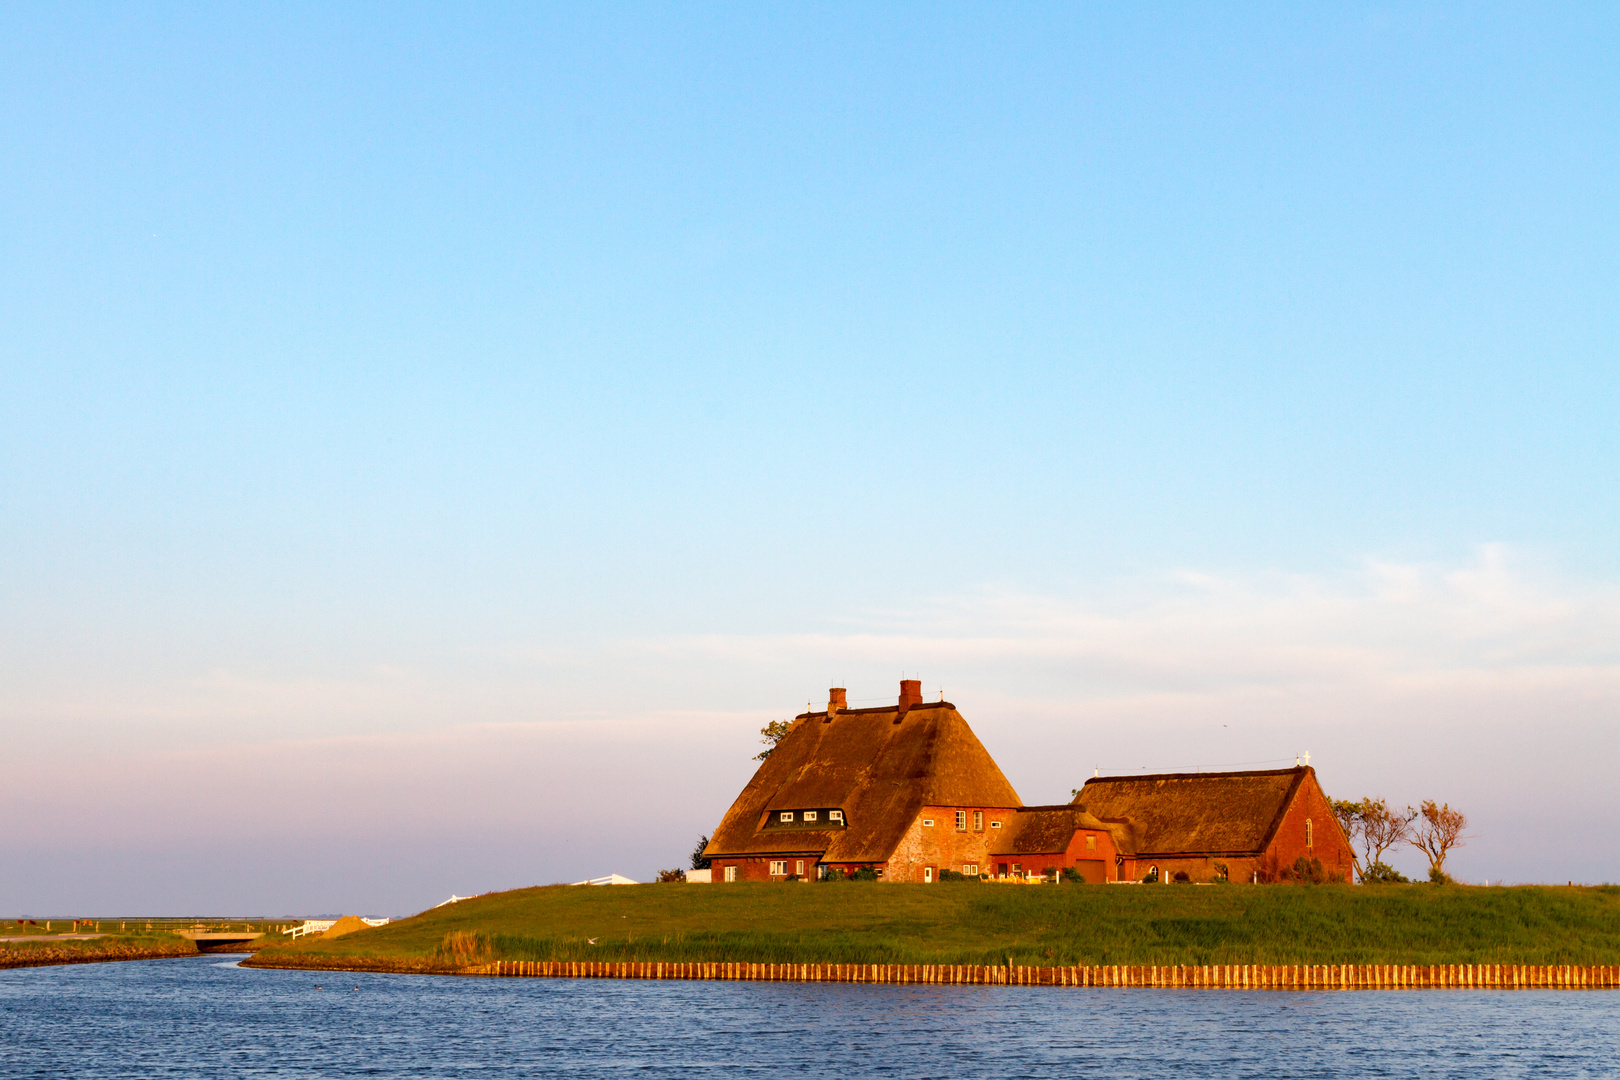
836,815
961,821
928,823
995,824
978,821
1309,838
970,869
809,815
1091,843
928,875
731,873
798,867
786,815
778,868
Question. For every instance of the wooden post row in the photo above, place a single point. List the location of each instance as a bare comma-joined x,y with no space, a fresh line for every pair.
1220,976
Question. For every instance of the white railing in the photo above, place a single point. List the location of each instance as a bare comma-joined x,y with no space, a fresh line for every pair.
312,926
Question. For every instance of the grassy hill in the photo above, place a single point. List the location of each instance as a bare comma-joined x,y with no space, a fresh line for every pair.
972,923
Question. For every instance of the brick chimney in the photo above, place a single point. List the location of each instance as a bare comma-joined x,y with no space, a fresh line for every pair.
910,694
836,700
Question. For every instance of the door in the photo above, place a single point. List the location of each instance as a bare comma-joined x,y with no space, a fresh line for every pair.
1093,870
928,875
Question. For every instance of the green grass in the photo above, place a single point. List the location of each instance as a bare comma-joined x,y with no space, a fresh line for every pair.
992,924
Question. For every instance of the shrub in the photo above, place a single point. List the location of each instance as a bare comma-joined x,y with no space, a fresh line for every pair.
832,873
1381,873
671,875
952,875
791,877
865,873
1438,876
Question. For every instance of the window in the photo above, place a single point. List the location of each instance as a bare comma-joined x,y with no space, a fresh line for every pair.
798,868
961,821
928,823
731,873
1091,843
786,815
778,868
1308,830
1018,868
970,869
809,815
978,821
836,815
995,824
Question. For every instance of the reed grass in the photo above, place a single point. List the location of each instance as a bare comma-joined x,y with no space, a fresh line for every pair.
988,924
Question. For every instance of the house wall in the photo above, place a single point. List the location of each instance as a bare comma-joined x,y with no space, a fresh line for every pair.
939,845
750,868
1077,852
1328,840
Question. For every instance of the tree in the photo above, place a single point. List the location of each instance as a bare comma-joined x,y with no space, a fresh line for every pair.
698,861
1350,818
1438,830
772,734
1372,824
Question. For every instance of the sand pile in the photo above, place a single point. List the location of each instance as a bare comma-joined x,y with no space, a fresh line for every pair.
346,925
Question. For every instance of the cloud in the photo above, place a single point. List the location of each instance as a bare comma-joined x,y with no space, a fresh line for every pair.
1492,684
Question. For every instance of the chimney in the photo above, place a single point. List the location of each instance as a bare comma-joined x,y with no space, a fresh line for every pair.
910,694
836,700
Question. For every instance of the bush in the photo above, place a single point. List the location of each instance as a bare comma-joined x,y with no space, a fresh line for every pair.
865,873
671,875
952,875
832,873
1071,876
1381,873
791,877
1438,876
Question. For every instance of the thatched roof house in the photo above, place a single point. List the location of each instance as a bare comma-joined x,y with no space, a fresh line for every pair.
908,791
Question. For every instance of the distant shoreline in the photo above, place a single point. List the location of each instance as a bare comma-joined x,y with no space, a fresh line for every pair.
98,951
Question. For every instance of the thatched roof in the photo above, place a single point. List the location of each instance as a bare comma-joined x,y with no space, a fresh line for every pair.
1233,813
880,767
1049,829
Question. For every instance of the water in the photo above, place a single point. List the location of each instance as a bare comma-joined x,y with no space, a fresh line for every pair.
206,1017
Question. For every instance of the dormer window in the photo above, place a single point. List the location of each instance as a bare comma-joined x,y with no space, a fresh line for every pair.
995,824
786,815
809,815
836,815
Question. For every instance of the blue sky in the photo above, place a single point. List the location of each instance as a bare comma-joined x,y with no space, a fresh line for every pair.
581,389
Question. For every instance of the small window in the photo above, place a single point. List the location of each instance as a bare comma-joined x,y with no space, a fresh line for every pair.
731,873
961,821
835,815
1018,868
928,823
978,821
798,868
970,869
995,824
809,815
786,815
1091,843
779,868
1308,831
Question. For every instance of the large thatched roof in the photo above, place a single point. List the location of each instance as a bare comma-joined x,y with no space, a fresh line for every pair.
879,766
1232,813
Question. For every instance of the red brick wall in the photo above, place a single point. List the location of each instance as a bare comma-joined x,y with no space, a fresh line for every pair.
752,869
1328,840
1103,852
939,845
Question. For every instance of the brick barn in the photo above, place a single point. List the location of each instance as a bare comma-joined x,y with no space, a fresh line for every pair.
908,791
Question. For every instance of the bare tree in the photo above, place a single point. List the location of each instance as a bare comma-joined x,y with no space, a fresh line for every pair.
1351,821
1439,829
1381,829
771,734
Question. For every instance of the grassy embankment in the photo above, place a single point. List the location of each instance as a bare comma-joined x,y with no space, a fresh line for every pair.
113,946
991,924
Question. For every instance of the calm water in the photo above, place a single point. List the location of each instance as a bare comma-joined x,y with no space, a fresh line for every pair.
205,1017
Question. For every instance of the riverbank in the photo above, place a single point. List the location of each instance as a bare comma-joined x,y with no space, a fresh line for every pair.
47,952
989,927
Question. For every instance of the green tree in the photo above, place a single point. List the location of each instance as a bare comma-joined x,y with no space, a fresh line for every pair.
772,734
698,861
